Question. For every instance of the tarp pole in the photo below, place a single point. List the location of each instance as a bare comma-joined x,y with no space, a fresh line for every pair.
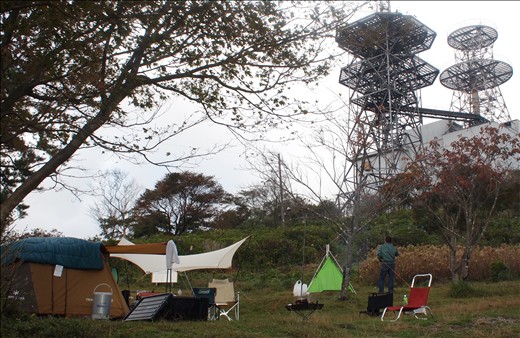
303,256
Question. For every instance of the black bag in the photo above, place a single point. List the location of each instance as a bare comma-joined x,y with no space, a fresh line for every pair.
377,302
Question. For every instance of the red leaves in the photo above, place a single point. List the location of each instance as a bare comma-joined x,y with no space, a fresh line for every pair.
460,184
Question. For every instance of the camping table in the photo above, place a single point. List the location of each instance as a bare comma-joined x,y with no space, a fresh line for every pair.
304,308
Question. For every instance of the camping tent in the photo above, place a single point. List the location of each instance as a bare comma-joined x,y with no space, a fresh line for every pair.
151,261
59,275
328,276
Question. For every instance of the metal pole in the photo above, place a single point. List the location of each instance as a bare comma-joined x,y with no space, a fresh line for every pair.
282,211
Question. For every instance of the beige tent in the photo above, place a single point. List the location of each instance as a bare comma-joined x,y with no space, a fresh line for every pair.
59,276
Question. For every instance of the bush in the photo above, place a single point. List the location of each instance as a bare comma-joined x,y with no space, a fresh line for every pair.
500,271
461,290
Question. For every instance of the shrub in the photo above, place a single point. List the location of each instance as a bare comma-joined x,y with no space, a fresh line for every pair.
461,290
500,271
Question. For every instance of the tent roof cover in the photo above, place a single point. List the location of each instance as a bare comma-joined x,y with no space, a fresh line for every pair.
72,253
157,265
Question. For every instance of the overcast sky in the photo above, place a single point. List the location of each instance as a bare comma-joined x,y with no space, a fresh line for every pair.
64,212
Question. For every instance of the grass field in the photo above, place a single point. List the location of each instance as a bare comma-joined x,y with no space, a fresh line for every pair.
492,310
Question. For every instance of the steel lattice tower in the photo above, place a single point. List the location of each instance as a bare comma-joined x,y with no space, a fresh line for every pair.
476,77
384,75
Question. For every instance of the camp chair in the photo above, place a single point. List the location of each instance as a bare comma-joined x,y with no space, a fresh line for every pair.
417,302
225,299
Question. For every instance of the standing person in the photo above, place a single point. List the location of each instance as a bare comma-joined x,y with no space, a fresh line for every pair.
386,254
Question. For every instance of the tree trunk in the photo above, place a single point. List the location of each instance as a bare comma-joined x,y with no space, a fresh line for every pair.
343,295
459,268
346,272
454,267
61,157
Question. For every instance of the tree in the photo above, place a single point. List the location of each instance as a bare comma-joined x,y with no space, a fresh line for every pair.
36,232
255,201
505,228
113,211
509,199
187,201
459,186
70,68
151,224
324,174
232,218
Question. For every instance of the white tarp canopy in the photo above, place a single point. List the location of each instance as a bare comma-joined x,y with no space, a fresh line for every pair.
156,264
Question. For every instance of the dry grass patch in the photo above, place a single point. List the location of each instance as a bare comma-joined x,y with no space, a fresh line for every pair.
434,259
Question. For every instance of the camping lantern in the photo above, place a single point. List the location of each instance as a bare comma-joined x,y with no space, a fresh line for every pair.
101,303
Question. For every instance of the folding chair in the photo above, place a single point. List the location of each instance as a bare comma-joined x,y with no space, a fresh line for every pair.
417,302
225,299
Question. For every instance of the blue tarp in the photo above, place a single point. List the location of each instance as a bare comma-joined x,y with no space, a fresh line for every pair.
72,253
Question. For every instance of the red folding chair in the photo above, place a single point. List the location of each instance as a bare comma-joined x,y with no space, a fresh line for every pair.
417,302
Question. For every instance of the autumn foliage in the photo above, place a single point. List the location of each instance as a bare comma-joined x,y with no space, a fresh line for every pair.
458,186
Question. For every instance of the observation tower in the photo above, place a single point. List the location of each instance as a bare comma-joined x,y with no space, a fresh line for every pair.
384,75
476,77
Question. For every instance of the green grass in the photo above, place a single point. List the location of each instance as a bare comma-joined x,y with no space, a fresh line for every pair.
493,310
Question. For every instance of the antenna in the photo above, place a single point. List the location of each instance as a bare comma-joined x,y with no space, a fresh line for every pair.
476,77
380,5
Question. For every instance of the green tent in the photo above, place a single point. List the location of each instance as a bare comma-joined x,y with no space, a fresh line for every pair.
328,277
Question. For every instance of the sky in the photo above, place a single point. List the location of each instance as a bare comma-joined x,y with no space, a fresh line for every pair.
66,213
